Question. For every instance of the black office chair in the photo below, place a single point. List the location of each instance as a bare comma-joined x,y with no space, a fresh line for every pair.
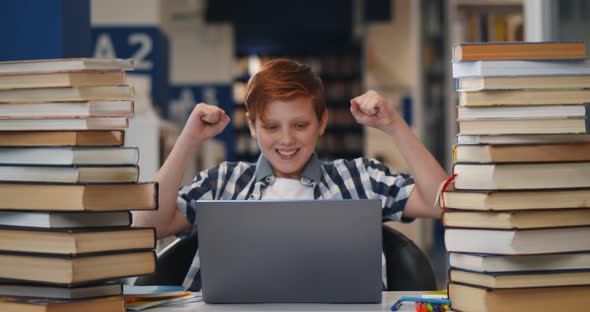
407,266
173,262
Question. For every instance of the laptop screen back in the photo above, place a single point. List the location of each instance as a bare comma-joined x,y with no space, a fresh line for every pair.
290,251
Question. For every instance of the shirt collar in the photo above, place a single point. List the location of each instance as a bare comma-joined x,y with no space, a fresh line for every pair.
312,171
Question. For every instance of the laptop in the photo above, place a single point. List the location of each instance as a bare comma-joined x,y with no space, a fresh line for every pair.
301,251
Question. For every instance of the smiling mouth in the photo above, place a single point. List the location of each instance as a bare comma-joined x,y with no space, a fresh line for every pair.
287,154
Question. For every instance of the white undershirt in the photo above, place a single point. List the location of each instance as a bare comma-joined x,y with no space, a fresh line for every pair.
283,188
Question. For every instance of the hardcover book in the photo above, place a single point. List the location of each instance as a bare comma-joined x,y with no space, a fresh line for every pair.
69,174
57,110
62,138
520,280
75,270
518,242
503,176
95,93
523,82
529,263
523,153
62,79
535,199
522,138
518,51
57,292
520,68
521,219
54,219
69,155
63,65
525,97
76,241
525,126
78,197
25,304
523,112
52,124
471,298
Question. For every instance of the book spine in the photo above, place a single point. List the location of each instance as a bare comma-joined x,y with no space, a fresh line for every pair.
483,24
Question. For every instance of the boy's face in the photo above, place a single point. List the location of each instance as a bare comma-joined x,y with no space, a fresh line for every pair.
288,135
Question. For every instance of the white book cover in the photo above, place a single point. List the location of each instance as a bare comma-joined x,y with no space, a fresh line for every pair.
520,68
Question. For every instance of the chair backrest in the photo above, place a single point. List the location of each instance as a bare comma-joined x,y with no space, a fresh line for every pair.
407,266
173,263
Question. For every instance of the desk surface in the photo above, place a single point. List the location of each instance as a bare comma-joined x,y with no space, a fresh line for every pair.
388,299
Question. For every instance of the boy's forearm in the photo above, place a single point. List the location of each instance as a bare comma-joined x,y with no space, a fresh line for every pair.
427,172
372,109
169,178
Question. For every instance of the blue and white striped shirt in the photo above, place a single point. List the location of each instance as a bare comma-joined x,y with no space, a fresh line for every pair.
360,178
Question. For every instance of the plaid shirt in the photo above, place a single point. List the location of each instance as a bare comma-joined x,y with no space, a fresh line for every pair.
360,178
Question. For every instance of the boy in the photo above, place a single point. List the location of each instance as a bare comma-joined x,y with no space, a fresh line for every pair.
286,114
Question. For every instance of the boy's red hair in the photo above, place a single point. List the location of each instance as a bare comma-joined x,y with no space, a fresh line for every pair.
283,79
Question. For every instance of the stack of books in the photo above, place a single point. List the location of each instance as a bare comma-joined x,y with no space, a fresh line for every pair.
518,222
68,185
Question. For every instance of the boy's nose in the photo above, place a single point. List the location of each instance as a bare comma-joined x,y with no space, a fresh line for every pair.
287,137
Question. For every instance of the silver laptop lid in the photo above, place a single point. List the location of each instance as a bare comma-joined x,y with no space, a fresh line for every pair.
290,251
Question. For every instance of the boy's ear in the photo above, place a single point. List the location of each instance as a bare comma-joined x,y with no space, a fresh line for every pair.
251,126
323,122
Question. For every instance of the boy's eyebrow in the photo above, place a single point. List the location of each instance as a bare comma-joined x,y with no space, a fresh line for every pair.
294,119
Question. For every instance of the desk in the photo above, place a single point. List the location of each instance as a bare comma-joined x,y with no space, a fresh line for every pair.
388,299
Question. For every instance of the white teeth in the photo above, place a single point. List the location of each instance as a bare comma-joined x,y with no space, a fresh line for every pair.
287,153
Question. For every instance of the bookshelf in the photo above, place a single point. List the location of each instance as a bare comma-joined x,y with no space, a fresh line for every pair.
397,62
433,45
340,70
565,21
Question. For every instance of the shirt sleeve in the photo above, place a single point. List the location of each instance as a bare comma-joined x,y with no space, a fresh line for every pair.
201,188
392,188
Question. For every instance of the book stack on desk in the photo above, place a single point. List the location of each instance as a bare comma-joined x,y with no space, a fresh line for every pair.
68,185
518,220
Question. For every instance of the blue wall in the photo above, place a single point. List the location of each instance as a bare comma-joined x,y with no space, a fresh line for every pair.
32,29
147,45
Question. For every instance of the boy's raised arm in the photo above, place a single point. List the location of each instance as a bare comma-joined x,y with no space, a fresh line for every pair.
205,121
372,110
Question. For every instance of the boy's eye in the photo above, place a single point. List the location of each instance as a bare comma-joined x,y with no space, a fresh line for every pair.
301,125
270,127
